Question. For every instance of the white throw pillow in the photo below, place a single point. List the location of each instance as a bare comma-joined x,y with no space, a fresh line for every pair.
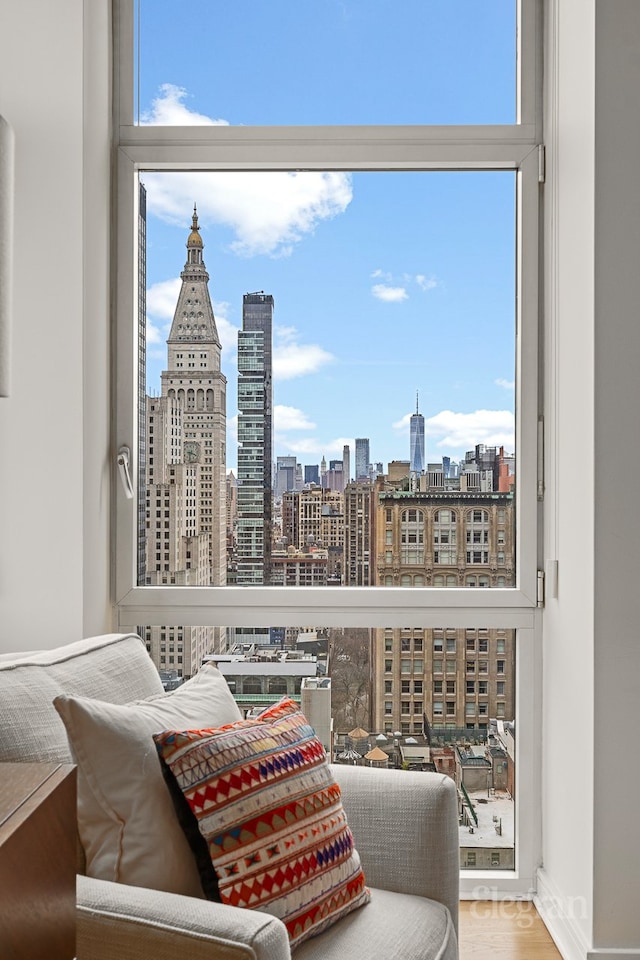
126,819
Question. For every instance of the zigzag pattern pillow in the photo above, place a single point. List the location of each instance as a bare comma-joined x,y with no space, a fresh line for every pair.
270,811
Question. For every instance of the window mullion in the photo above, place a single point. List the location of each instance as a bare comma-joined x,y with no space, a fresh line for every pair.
339,606
332,148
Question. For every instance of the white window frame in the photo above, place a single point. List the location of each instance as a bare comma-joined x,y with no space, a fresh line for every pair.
514,147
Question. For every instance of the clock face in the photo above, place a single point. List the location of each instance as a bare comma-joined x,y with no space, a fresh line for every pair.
191,451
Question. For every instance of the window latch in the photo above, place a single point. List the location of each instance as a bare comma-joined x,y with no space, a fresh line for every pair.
540,461
124,455
542,163
540,589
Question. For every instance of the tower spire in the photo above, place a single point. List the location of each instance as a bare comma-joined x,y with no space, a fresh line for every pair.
193,320
417,411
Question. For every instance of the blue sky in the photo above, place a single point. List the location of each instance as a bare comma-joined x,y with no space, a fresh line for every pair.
385,284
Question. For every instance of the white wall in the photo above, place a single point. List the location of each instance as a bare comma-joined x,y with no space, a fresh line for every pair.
589,885
54,440
53,429
616,914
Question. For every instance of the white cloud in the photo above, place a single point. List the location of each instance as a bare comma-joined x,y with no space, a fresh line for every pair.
293,359
309,447
506,384
402,425
168,110
394,290
462,431
156,352
268,212
312,447
154,334
286,334
297,360
232,429
426,283
227,332
162,298
290,418
389,294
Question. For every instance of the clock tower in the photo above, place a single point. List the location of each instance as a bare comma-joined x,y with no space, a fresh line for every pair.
186,466
195,381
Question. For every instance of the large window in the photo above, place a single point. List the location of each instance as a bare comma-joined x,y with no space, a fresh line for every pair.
357,265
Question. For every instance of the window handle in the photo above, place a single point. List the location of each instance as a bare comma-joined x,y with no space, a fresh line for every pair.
124,455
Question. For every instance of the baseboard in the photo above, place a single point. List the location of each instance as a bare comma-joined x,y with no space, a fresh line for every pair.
561,919
561,916
613,953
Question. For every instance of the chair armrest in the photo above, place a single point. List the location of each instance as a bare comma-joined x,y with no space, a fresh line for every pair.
405,827
120,922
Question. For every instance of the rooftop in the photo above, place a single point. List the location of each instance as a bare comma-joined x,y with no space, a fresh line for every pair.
492,812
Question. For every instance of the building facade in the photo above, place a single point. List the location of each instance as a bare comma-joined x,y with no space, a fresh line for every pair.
363,458
334,478
286,469
259,678
312,474
457,678
300,568
314,516
185,467
346,464
416,442
255,440
460,679
359,541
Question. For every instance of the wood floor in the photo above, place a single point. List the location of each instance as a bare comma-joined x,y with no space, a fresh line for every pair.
506,930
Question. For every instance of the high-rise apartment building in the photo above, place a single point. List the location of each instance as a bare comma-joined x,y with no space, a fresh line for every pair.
314,516
495,469
286,468
359,542
362,458
186,466
255,440
458,678
334,477
232,523
416,441
312,473
300,568
346,463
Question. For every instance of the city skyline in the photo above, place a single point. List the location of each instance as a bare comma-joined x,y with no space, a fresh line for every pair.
384,283
318,390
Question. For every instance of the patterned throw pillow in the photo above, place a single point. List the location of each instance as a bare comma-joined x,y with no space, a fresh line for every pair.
267,805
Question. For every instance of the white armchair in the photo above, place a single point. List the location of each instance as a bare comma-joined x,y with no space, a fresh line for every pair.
404,825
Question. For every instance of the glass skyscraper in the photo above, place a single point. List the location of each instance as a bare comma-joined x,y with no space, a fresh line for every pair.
363,458
416,440
255,439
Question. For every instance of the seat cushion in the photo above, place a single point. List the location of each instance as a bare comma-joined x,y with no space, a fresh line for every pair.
114,667
390,925
126,819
